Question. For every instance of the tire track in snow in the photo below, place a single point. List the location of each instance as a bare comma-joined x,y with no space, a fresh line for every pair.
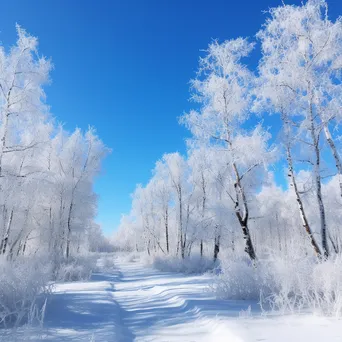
86,311
167,307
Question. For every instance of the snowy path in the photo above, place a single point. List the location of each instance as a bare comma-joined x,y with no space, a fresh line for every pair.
141,304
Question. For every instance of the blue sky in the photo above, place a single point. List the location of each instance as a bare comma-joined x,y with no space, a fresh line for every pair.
123,67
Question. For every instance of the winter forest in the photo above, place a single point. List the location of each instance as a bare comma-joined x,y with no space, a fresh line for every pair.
246,223
222,200
46,179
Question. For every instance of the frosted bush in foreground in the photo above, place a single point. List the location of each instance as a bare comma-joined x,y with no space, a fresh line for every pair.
192,264
240,280
21,284
285,284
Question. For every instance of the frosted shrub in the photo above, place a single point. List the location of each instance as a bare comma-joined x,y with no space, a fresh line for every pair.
76,268
285,284
307,284
123,256
192,264
326,291
239,279
132,257
22,283
105,263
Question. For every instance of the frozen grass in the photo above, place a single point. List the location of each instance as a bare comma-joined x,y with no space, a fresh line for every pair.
194,264
76,268
285,284
130,256
22,283
105,263
26,282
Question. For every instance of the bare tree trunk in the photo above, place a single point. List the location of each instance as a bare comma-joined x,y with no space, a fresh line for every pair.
14,244
190,248
333,244
25,244
271,239
285,240
69,230
243,217
181,242
335,154
148,247
300,203
249,249
22,246
185,229
61,235
79,244
5,121
204,199
4,241
315,142
19,237
50,229
167,229
216,246
279,236
3,140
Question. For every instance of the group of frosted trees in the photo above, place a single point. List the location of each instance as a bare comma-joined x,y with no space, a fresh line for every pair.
47,203
263,171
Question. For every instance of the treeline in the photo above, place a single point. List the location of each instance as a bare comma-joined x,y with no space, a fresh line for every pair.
223,193
47,201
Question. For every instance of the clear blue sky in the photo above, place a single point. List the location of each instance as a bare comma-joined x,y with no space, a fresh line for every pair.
123,67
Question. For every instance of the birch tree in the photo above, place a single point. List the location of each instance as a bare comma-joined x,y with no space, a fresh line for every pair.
302,53
222,87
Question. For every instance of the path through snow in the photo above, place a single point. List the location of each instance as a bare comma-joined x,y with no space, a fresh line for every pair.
137,303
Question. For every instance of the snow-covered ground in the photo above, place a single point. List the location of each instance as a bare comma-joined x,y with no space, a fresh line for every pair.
136,303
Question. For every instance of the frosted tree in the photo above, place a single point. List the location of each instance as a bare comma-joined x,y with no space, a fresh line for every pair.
79,163
142,212
223,88
200,177
46,174
302,61
23,74
178,177
163,195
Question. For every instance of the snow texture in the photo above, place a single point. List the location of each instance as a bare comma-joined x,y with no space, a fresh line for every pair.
137,303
